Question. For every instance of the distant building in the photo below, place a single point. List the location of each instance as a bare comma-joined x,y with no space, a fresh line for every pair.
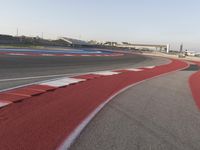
126,43
190,53
111,43
92,42
197,54
74,42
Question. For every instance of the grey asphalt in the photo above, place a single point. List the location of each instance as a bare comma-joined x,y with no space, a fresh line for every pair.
12,67
158,114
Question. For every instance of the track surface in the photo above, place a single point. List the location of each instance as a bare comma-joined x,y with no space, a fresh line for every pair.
157,114
44,121
14,67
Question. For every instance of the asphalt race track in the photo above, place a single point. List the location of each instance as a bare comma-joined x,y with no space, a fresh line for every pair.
55,115
159,114
19,70
143,103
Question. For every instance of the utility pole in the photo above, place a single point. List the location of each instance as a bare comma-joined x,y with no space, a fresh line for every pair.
181,48
168,48
17,32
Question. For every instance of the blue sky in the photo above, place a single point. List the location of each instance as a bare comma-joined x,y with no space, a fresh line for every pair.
137,21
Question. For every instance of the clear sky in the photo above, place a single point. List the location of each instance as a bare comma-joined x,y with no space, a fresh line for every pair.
138,21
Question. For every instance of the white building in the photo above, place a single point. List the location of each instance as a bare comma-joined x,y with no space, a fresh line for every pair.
190,53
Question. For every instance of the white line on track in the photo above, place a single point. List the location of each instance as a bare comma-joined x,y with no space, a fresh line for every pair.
134,69
54,75
106,73
37,77
150,67
4,103
62,82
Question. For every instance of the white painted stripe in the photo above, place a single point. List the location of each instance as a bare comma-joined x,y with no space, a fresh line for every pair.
47,54
106,73
68,55
71,80
67,143
150,67
50,76
4,103
55,83
62,82
134,69
17,54
85,55
38,77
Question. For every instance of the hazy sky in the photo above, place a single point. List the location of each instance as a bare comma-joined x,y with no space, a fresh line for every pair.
138,21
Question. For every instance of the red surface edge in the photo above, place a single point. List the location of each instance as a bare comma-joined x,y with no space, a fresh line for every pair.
12,97
25,91
194,82
41,87
88,76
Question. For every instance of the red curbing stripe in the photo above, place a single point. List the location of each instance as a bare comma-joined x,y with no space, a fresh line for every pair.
12,97
25,91
41,87
88,76
194,82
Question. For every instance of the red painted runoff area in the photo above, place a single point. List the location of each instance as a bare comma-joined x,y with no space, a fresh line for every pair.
43,122
194,82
